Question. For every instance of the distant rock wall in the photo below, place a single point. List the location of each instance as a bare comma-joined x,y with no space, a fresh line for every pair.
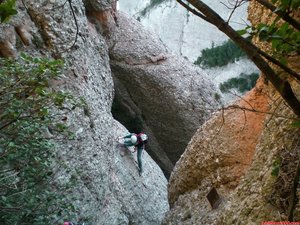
185,34
108,188
181,31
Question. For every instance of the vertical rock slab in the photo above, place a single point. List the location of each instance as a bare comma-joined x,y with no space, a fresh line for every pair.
108,189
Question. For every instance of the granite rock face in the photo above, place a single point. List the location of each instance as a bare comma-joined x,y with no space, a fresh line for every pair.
234,152
217,156
262,194
164,95
109,189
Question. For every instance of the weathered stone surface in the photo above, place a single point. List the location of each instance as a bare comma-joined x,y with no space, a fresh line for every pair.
221,149
217,156
238,162
173,96
108,188
257,197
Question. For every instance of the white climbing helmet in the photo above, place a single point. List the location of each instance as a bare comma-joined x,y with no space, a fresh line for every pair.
133,139
144,137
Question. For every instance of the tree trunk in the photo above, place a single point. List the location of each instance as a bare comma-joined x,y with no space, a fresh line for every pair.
282,86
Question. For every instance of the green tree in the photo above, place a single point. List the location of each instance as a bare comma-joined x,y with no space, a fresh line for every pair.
218,56
243,83
7,9
151,5
27,158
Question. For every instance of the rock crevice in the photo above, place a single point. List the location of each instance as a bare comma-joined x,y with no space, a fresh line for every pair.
173,96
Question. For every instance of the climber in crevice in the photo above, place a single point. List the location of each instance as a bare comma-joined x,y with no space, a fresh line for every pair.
138,141
70,223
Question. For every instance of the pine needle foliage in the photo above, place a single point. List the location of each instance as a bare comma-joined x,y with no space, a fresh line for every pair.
242,83
218,56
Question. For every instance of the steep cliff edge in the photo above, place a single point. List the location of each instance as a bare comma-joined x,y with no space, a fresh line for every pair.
108,188
239,153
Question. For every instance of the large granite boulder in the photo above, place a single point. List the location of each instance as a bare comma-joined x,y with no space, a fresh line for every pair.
217,156
237,153
162,94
